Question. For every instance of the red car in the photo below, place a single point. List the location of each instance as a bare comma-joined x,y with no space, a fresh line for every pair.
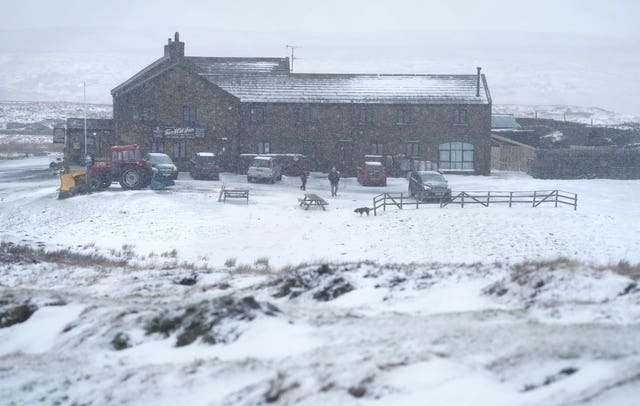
372,174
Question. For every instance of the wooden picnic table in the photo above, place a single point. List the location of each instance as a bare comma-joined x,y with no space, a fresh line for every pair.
311,199
226,193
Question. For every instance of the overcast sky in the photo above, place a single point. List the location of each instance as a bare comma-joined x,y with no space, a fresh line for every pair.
598,37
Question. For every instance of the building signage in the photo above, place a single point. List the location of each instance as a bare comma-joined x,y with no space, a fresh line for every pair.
178,133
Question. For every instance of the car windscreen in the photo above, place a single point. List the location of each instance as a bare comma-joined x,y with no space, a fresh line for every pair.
432,178
261,163
206,159
160,159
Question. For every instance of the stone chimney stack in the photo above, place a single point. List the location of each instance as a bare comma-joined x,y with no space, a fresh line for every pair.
478,82
174,49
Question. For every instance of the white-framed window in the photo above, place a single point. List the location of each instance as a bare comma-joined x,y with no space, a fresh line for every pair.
457,156
189,114
460,116
365,116
264,147
157,146
149,113
256,114
403,116
304,115
413,148
377,148
180,149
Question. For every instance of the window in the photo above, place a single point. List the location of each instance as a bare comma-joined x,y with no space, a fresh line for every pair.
456,156
365,116
256,115
264,147
149,113
180,149
403,117
460,116
189,114
377,148
413,148
157,146
345,152
303,115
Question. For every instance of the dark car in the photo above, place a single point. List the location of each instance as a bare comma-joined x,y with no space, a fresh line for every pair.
163,164
429,185
204,165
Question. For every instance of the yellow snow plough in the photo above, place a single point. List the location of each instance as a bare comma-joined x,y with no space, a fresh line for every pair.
73,183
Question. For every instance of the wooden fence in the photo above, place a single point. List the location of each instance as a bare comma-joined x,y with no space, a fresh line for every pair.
484,198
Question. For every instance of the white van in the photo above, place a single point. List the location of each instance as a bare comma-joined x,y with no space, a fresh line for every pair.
264,168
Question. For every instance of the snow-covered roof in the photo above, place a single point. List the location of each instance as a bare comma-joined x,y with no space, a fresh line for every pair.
227,66
268,80
353,88
373,163
206,154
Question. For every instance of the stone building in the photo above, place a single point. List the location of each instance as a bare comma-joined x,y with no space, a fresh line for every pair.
181,105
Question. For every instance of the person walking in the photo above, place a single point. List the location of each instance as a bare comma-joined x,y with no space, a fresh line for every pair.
334,178
304,174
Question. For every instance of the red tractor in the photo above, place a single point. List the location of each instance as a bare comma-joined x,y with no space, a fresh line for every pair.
123,164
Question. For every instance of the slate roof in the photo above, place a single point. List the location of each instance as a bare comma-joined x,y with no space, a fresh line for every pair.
267,80
92,123
353,88
235,66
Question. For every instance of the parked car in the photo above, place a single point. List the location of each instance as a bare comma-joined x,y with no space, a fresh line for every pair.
372,174
163,164
205,165
264,168
429,185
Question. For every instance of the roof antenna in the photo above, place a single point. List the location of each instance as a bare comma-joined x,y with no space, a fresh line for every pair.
293,48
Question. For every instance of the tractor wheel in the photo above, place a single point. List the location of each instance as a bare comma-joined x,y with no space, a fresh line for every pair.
132,178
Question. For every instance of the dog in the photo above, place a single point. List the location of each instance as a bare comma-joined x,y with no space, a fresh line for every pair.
361,210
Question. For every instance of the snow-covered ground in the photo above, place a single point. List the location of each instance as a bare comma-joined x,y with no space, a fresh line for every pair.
189,218
431,306
48,113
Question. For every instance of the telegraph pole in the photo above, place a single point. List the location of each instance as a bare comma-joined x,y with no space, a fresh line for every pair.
293,48
84,108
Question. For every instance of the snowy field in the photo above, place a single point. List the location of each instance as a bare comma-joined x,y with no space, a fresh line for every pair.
188,218
173,298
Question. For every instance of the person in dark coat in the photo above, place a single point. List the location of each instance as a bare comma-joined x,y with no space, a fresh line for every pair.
334,178
304,174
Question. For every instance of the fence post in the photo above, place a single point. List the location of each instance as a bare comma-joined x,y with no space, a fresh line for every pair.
462,204
401,200
510,198
384,205
535,193
556,198
488,198
575,202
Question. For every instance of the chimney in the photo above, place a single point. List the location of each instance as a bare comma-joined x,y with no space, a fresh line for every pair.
478,82
174,49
